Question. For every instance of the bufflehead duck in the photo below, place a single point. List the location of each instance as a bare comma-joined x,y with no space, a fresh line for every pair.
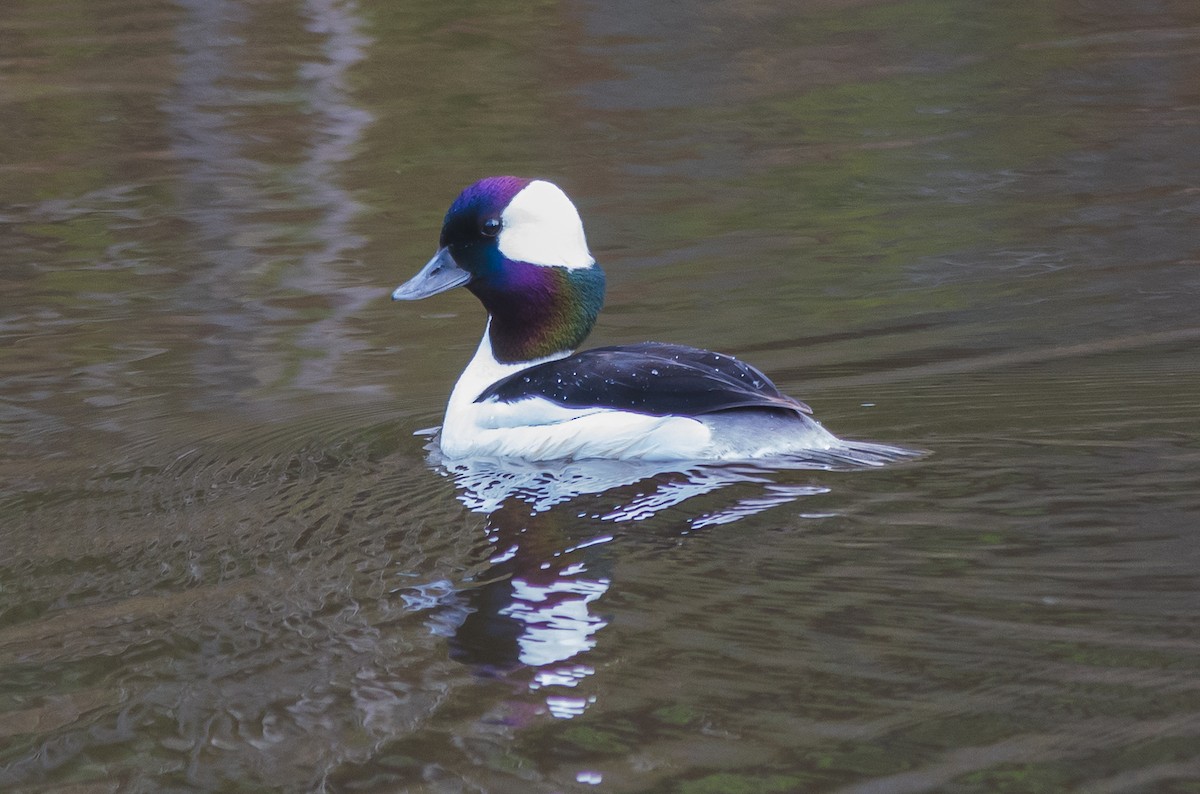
518,245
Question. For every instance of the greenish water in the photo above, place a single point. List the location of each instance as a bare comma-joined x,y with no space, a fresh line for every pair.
226,563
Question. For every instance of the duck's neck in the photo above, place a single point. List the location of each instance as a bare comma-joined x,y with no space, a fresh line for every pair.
485,369
541,312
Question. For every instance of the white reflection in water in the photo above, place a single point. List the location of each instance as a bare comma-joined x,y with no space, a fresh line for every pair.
533,607
487,484
558,623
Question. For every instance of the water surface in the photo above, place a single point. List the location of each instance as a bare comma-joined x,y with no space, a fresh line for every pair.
229,564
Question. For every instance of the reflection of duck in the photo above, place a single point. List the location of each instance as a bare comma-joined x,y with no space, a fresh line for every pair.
550,528
531,604
530,608
488,484
519,246
548,556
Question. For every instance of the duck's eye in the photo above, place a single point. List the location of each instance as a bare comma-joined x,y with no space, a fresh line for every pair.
490,227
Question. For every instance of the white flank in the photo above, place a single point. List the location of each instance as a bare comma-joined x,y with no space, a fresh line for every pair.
542,227
537,429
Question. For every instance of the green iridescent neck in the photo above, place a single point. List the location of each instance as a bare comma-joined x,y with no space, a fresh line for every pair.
539,311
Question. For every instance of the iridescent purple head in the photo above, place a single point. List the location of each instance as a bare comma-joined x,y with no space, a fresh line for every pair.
475,216
518,245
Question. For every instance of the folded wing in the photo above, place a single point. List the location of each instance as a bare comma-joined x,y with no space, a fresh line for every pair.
650,378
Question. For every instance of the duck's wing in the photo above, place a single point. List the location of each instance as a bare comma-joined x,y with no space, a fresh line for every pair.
649,378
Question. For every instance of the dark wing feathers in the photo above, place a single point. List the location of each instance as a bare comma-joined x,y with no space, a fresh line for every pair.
651,378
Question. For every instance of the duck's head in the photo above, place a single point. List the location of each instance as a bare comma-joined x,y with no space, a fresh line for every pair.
518,245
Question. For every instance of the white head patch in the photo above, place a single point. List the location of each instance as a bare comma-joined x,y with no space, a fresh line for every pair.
542,227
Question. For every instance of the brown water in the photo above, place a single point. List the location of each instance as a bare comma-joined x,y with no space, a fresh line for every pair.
227,565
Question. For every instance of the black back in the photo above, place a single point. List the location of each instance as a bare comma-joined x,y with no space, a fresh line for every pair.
649,378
